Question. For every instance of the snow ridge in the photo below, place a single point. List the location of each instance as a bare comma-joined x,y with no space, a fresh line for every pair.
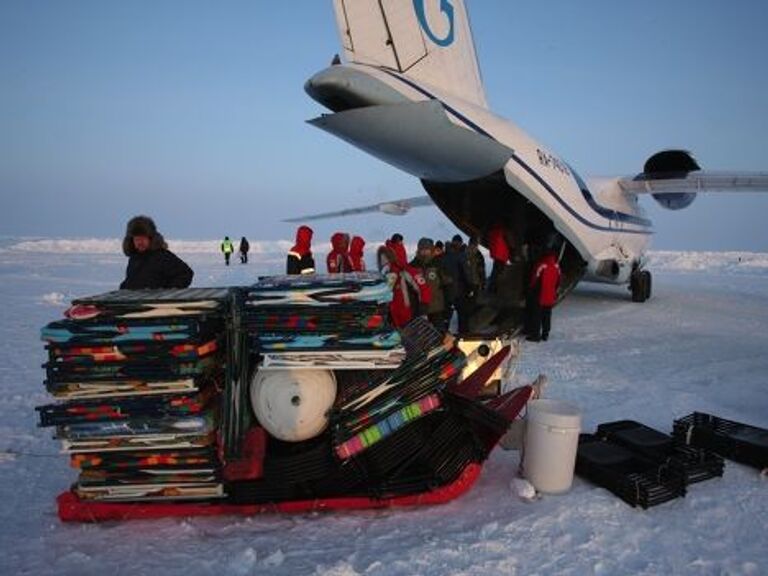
659,260
114,246
731,262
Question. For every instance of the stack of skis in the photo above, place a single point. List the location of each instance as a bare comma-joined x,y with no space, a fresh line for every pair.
320,313
408,431
136,376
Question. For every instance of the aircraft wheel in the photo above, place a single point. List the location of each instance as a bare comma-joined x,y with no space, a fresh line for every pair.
646,281
637,286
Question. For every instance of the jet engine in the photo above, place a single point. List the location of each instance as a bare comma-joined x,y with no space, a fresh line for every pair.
671,164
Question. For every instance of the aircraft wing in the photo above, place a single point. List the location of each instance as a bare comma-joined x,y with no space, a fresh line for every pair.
695,182
393,208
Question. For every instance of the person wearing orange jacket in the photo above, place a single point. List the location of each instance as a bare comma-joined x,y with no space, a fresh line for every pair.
545,282
300,259
338,261
356,258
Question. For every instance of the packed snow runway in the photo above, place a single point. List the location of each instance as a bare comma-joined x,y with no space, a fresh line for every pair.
699,344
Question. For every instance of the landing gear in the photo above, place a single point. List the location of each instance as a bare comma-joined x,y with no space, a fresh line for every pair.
647,281
640,285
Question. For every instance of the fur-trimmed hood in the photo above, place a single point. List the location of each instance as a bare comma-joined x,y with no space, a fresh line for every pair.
142,226
303,241
356,247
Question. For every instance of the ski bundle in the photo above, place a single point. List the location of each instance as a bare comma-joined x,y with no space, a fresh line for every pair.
137,376
398,399
391,434
320,313
321,289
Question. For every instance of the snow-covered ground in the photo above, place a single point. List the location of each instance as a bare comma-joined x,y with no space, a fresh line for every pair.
699,344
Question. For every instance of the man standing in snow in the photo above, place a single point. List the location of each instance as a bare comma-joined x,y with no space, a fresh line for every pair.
227,248
476,263
245,246
545,281
150,263
300,259
458,293
439,284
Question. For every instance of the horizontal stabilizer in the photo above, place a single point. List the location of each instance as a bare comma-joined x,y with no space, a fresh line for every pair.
393,208
420,139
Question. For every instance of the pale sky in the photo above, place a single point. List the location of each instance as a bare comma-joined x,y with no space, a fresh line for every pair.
194,112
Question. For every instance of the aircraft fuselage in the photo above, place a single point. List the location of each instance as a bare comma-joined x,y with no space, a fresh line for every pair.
482,170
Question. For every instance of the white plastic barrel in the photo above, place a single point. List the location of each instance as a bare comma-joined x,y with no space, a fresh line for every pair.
551,440
293,405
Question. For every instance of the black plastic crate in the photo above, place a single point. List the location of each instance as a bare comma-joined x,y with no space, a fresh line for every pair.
696,464
735,441
636,479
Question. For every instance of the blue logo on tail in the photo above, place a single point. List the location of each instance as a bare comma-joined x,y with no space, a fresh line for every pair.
446,8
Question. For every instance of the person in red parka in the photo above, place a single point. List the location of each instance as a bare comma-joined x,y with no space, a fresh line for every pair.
300,259
356,258
397,244
501,254
338,261
545,281
409,287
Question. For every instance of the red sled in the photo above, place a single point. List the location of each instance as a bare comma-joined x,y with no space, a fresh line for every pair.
73,509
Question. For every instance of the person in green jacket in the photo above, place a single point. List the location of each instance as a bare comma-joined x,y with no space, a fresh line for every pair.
439,282
227,248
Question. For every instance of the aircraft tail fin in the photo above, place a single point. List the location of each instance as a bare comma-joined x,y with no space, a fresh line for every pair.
429,41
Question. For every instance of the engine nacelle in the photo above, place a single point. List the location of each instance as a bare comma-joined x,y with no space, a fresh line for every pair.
671,164
676,201
394,209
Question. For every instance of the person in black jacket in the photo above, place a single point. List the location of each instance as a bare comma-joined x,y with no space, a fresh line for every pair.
456,266
476,264
245,246
150,263
300,259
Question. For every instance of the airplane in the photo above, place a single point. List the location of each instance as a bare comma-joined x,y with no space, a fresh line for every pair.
411,94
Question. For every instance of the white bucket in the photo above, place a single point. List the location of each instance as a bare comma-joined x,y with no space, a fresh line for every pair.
551,440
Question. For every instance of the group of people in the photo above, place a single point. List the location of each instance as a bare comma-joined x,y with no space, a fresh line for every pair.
449,277
442,278
228,248
346,254
541,288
